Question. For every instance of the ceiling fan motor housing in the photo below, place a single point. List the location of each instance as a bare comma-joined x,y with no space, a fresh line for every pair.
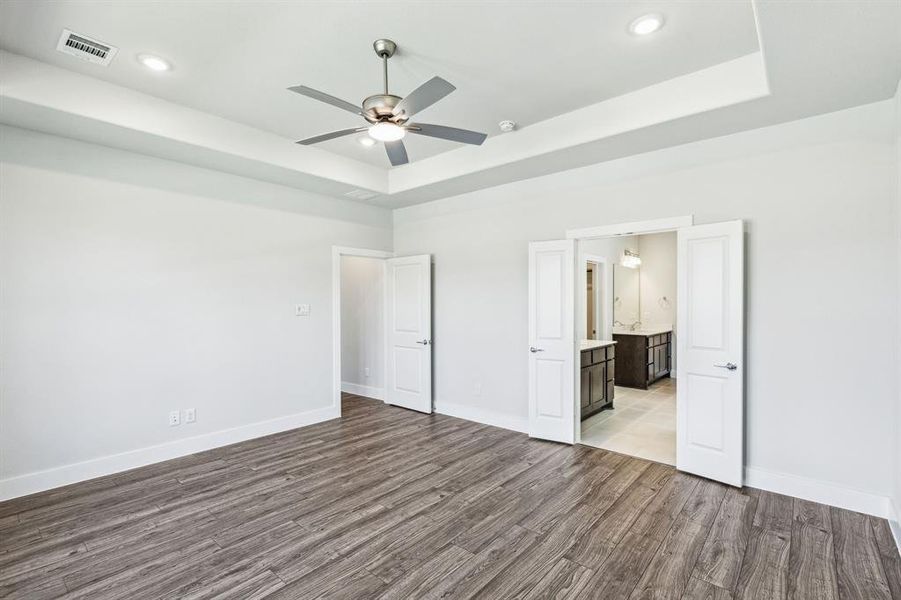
381,108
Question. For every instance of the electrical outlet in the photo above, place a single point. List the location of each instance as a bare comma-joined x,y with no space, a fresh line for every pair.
190,415
302,310
366,372
174,418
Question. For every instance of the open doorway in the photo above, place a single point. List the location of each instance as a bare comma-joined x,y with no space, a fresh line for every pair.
381,327
359,365
707,353
363,326
626,358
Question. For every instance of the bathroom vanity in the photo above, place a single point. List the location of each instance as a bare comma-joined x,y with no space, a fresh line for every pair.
597,373
644,356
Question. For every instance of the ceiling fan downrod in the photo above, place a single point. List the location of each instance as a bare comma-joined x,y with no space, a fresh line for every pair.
385,49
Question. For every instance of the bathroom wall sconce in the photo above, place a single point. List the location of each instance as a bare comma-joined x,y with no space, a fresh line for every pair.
630,259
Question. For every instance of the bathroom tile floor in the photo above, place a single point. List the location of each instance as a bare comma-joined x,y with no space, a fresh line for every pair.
642,424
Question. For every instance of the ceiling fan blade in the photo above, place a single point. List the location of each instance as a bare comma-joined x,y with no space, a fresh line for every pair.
397,153
328,99
448,133
424,96
330,136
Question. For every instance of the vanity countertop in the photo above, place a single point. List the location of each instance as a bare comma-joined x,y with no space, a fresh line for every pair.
592,344
644,332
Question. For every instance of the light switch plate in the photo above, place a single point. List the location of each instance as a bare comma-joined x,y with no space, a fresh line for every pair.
302,310
190,415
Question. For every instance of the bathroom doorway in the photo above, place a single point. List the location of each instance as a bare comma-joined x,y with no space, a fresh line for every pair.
627,355
709,308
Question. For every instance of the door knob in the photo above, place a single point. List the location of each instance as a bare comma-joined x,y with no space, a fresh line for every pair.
728,365
423,342
534,349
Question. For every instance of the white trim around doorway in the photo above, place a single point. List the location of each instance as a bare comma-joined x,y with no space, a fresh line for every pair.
602,306
633,228
605,231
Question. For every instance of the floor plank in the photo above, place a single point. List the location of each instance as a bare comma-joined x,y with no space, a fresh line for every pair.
891,560
858,560
388,503
724,550
811,562
764,572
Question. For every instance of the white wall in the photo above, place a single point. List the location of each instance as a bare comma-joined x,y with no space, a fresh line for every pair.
362,326
819,200
658,278
658,282
132,286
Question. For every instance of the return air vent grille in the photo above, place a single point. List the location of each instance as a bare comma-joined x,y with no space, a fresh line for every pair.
85,48
360,194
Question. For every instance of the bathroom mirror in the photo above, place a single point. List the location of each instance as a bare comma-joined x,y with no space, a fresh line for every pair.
626,308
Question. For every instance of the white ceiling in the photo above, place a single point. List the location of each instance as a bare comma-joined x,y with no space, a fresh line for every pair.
525,61
582,89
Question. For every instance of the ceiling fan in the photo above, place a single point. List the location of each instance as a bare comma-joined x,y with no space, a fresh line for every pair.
390,115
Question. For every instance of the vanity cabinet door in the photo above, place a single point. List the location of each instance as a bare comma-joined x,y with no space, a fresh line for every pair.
598,383
660,361
665,351
585,387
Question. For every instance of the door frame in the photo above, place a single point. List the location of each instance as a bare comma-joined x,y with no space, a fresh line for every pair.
337,253
601,303
606,231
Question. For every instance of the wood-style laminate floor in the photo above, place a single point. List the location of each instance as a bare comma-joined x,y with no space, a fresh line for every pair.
387,503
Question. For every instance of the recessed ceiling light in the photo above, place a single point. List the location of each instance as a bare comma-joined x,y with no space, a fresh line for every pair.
646,24
367,141
154,63
386,132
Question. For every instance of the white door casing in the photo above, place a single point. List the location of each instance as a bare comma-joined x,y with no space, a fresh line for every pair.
551,352
409,338
710,347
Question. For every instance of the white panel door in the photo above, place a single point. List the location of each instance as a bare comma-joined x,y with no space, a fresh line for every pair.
710,345
409,320
552,347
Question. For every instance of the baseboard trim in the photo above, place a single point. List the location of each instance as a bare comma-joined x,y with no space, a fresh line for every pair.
480,415
819,491
363,390
39,481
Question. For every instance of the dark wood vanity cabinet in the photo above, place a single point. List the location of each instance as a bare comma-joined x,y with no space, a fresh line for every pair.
597,373
643,359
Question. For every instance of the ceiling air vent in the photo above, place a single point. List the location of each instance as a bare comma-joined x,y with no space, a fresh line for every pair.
360,194
85,48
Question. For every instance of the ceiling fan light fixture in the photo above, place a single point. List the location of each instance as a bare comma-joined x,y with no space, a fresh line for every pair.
367,141
646,24
387,132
